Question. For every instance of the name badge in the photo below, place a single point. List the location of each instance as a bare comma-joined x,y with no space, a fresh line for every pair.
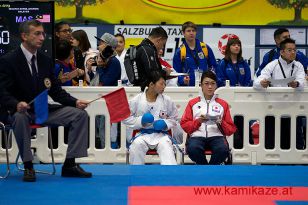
201,55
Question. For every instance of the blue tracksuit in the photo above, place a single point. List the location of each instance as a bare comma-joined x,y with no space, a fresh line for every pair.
238,74
194,59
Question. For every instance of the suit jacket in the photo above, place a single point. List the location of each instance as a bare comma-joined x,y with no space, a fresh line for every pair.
16,81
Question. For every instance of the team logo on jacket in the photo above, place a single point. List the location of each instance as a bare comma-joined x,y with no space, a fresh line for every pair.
242,71
47,83
216,108
201,55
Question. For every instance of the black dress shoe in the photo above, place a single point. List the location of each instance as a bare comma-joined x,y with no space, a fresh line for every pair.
29,175
75,171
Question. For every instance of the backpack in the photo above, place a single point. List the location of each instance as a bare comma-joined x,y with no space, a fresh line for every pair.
131,65
183,51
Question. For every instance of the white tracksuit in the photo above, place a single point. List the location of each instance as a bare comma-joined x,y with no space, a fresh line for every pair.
162,108
273,71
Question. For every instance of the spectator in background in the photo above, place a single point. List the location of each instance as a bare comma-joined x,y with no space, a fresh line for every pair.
121,51
279,35
207,120
108,72
63,67
284,67
108,66
63,31
233,67
147,54
193,56
82,51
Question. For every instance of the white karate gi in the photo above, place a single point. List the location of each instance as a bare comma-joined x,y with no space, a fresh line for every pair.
164,109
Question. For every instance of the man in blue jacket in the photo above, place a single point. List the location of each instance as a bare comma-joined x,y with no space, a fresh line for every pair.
193,55
279,35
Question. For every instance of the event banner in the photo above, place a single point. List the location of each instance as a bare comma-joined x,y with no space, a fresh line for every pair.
202,12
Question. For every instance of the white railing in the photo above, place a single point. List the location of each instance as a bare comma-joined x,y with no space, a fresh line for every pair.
247,102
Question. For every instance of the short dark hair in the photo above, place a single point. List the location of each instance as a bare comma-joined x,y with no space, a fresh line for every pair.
189,24
285,41
82,37
59,25
153,77
120,35
24,27
208,74
63,49
279,31
158,32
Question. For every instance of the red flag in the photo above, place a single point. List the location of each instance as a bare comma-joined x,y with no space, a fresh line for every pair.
117,105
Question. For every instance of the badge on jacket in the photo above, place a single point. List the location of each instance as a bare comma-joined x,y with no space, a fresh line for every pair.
216,108
242,71
201,55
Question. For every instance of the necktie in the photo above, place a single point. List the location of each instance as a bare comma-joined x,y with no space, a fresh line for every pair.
34,72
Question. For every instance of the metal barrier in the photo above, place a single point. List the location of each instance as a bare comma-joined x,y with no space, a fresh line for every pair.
247,102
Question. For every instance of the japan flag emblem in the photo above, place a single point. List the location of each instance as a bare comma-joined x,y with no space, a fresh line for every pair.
216,109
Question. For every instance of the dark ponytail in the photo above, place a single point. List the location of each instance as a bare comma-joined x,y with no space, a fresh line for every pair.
153,77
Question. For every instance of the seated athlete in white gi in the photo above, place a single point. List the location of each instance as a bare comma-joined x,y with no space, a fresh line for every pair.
153,114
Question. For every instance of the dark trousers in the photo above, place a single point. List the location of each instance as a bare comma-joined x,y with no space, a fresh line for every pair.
197,145
74,118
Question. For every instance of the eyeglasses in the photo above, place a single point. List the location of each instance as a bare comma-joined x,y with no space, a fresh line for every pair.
289,50
66,31
207,84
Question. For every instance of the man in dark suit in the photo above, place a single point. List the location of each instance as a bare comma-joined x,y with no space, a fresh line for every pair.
25,73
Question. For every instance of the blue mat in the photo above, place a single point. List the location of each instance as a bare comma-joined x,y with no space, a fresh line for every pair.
110,183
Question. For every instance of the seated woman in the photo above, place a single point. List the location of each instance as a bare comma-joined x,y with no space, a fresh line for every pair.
233,67
153,113
207,121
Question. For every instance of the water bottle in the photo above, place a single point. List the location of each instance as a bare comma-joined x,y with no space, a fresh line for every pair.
197,77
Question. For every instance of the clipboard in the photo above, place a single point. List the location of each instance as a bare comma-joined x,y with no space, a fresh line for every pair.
175,75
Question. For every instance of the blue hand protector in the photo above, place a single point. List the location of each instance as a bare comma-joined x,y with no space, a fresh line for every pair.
147,119
160,125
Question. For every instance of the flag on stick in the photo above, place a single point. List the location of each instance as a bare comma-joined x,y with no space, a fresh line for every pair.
117,105
41,107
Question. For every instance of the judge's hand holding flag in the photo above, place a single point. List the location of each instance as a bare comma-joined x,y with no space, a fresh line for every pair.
82,104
